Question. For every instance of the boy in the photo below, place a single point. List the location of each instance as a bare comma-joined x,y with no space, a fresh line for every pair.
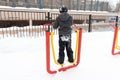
64,22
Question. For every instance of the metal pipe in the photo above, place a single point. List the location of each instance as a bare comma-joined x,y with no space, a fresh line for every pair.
84,5
91,5
41,4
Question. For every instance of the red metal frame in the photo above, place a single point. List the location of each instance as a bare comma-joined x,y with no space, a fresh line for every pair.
114,39
78,57
48,53
112,24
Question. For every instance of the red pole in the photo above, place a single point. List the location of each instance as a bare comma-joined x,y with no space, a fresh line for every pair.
48,54
114,41
79,46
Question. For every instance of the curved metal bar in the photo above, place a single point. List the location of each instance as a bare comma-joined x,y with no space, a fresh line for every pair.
78,48
114,41
53,50
48,54
116,44
78,55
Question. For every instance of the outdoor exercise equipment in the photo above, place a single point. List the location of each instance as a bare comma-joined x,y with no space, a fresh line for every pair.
53,50
49,37
117,40
115,45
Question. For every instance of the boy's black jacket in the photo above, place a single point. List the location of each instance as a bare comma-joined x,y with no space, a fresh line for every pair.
64,22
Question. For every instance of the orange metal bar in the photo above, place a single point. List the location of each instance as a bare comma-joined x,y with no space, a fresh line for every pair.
114,41
113,24
48,53
116,44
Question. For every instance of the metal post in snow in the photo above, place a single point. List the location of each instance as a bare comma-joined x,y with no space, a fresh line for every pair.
91,5
13,4
27,3
84,5
69,4
51,4
49,21
116,24
77,4
41,4
97,5
61,3
90,22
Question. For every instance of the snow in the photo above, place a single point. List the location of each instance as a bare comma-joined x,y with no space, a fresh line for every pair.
24,59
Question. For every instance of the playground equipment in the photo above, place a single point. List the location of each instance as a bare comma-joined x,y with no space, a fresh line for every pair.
49,37
115,45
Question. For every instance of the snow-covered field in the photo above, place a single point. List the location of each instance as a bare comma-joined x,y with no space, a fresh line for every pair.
24,59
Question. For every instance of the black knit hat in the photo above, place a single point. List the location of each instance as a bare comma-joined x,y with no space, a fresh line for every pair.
63,9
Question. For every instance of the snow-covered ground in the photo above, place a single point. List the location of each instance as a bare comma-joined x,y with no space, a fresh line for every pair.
24,59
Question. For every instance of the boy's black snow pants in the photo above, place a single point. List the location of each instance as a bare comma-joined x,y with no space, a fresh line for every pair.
65,44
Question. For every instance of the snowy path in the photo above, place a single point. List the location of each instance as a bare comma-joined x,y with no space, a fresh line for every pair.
24,59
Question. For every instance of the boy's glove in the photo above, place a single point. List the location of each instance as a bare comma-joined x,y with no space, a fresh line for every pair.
74,27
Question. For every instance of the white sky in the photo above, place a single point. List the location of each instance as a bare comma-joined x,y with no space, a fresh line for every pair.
24,59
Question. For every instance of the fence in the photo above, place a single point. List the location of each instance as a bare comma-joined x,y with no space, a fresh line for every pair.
21,18
24,22
91,5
